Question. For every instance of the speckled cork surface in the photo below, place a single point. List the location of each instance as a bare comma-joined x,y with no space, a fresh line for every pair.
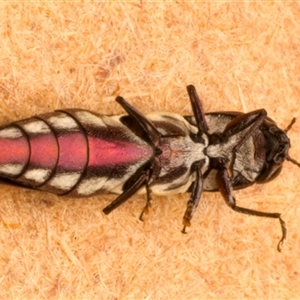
241,57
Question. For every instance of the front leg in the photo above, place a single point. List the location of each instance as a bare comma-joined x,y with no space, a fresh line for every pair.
225,188
249,123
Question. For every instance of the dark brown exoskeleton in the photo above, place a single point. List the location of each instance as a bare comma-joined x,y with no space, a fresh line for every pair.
80,153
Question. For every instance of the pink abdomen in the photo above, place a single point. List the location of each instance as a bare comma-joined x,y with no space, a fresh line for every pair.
70,152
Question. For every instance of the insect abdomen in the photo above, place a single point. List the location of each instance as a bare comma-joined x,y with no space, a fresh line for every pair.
72,151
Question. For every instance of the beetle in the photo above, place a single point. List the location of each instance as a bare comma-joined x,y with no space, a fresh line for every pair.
80,153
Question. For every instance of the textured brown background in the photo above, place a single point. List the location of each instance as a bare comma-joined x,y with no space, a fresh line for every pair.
240,56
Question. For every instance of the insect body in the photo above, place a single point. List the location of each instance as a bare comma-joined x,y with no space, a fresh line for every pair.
79,153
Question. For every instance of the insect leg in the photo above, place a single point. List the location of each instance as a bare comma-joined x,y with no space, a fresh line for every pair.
250,121
225,188
148,203
143,179
146,175
197,109
195,196
146,125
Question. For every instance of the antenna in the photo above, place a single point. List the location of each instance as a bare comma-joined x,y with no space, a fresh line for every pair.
288,157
